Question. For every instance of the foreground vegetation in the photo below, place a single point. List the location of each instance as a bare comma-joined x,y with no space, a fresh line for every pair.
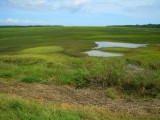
16,108
54,55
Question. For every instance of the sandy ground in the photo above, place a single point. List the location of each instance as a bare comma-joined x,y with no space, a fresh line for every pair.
85,97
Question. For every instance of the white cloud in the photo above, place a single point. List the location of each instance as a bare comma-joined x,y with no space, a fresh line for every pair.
13,21
10,20
125,7
48,5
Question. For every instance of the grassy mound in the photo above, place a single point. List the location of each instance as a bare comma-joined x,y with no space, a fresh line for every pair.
42,50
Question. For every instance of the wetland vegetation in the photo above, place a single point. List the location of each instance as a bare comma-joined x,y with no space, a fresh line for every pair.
55,55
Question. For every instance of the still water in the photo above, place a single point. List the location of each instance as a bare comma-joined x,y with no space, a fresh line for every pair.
118,44
98,53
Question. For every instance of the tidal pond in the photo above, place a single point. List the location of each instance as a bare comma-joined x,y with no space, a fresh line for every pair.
97,53
118,44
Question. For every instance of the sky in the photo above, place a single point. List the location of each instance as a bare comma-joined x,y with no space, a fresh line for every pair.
79,12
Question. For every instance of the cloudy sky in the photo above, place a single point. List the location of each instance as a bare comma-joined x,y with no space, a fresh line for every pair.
79,12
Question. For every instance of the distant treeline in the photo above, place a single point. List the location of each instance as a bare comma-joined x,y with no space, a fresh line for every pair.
139,26
4,26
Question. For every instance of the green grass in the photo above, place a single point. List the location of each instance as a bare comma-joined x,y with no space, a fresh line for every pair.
16,108
146,57
54,55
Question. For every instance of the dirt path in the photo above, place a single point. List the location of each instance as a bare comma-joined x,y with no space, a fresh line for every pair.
87,96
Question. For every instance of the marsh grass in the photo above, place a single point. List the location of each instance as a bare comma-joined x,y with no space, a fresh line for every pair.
53,55
84,72
96,72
